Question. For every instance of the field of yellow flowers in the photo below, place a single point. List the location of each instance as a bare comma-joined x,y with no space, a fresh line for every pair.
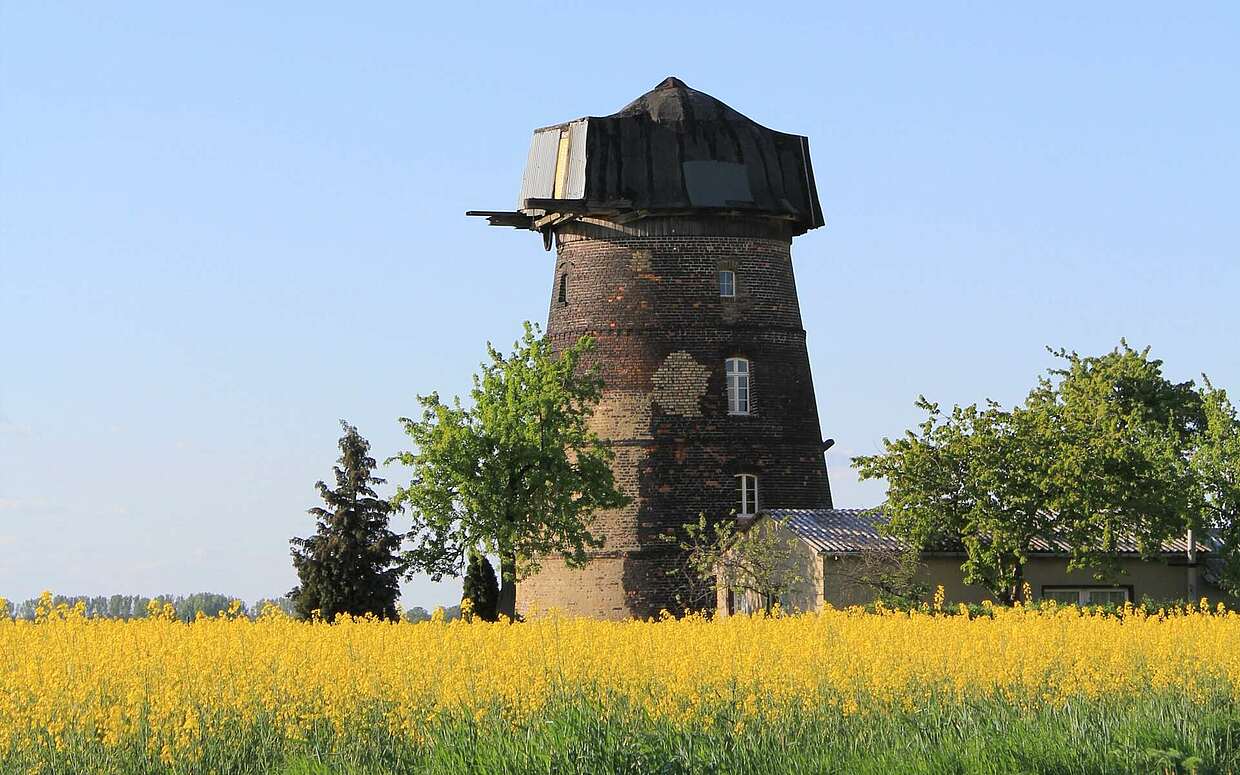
1030,690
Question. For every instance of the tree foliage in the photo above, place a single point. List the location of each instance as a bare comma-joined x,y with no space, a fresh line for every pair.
480,588
1104,448
125,607
758,559
350,565
1216,466
517,474
891,572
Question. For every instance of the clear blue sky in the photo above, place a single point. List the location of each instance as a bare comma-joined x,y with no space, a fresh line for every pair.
222,230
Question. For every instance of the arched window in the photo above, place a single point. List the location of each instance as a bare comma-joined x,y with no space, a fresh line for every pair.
737,373
563,294
746,494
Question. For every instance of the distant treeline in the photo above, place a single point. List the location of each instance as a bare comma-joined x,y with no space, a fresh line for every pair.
187,606
136,606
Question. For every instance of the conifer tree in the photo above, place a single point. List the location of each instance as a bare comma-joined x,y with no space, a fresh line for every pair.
481,588
350,564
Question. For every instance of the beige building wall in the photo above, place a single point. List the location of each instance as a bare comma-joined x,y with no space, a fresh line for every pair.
806,594
843,585
1147,579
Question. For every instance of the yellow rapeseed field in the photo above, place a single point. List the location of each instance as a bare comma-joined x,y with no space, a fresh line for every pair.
65,679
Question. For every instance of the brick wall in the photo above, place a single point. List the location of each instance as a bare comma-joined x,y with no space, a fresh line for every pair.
648,292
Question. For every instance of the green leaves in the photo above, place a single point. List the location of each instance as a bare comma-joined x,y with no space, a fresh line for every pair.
519,473
1216,467
1121,437
761,559
1103,448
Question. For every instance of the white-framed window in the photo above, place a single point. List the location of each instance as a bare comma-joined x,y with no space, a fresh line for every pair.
737,372
746,494
727,283
1086,595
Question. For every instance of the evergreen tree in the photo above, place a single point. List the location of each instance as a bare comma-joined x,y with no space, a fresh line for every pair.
349,566
481,588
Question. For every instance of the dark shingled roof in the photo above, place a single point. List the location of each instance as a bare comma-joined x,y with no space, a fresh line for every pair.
676,148
672,151
854,530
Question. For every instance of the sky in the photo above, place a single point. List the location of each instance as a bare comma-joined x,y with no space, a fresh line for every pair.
223,229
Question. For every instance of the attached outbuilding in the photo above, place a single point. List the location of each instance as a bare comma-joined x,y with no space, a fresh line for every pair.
834,551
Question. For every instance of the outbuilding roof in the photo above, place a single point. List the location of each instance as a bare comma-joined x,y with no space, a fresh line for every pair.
844,531
835,530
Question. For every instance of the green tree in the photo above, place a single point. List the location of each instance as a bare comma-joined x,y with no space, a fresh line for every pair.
758,559
417,614
891,572
965,478
1216,464
518,474
1120,436
282,602
481,588
1101,449
350,565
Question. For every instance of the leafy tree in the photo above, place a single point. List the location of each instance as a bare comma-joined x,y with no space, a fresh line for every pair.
963,478
420,614
1119,436
481,588
209,603
757,559
417,614
1101,449
283,603
1216,464
890,571
517,475
350,565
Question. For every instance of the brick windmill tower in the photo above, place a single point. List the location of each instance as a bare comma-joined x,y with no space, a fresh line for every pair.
673,222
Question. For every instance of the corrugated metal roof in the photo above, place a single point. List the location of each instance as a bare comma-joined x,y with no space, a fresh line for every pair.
541,165
576,182
835,530
1123,545
854,530
539,179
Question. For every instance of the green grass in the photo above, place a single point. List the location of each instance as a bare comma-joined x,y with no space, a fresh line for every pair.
1151,734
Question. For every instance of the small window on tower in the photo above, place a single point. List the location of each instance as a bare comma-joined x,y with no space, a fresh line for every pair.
736,371
727,283
563,295
747,494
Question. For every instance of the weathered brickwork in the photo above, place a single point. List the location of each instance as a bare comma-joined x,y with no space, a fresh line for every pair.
648,292
680,384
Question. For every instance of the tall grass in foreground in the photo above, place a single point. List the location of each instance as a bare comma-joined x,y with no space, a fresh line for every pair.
1156,734
1025,690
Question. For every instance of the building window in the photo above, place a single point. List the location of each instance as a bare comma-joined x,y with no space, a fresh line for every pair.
753,602
563,294
727,283
737,372
1086,595
747,494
